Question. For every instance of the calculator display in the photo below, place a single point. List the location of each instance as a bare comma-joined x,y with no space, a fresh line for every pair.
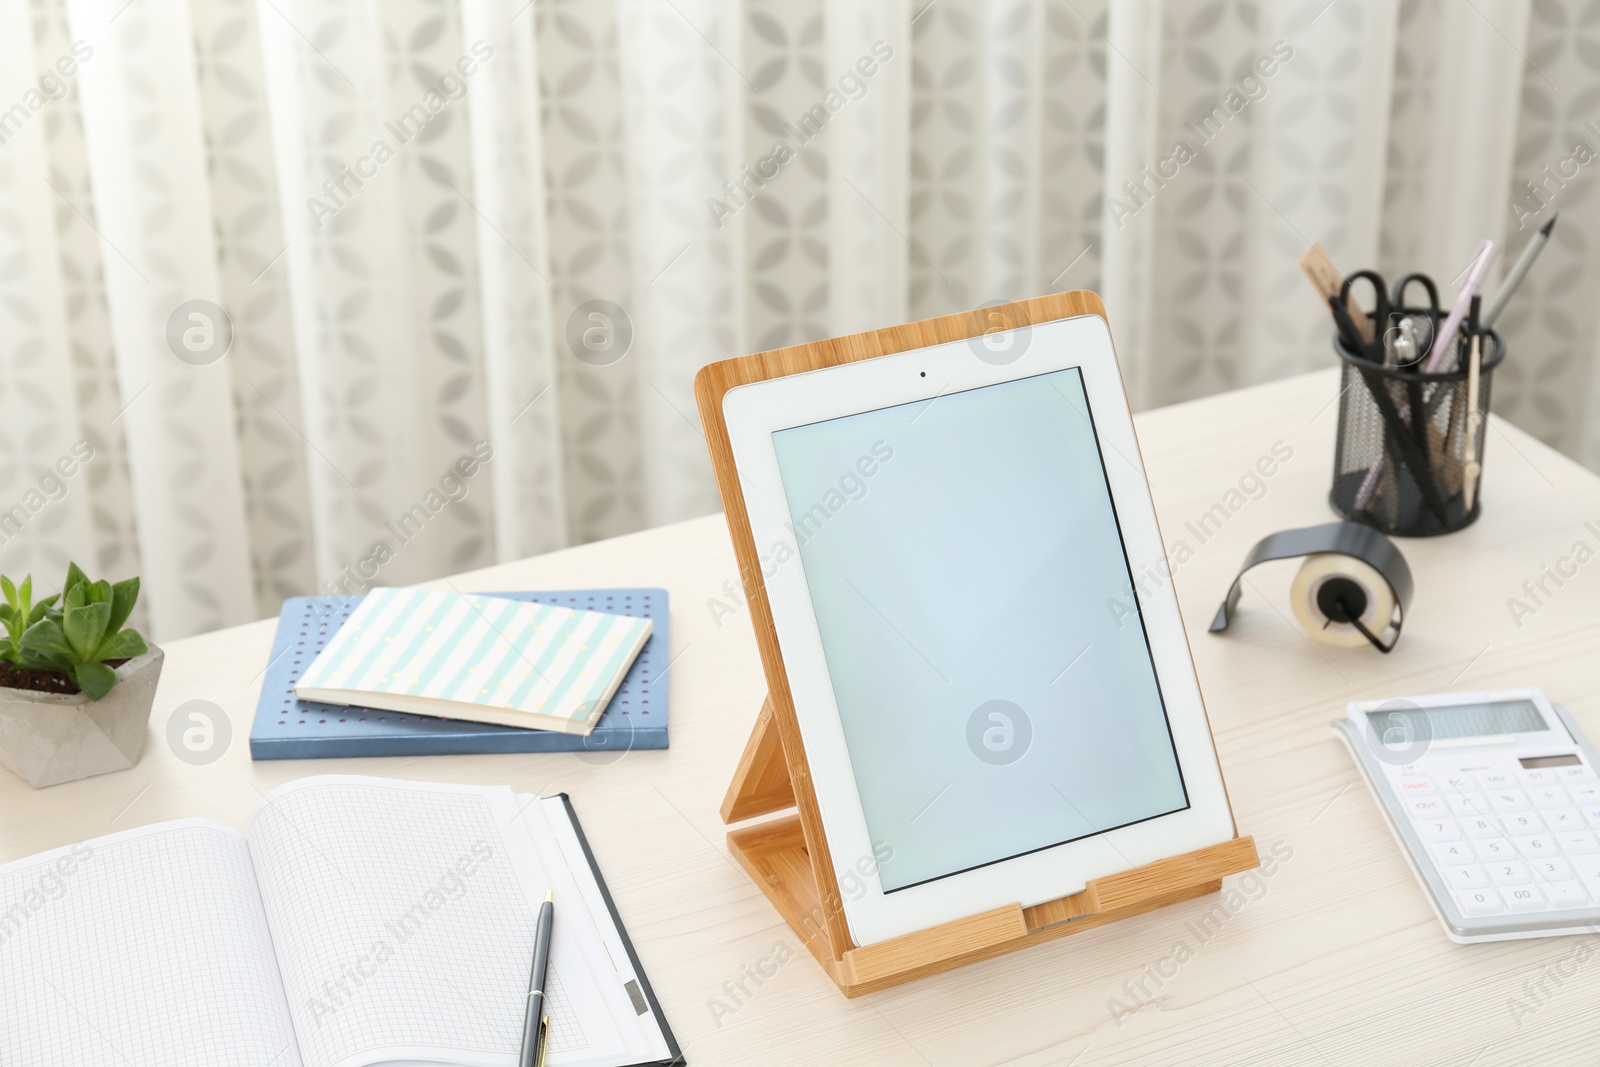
1465,720
1568,759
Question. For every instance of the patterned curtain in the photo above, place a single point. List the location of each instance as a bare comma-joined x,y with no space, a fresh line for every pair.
312,295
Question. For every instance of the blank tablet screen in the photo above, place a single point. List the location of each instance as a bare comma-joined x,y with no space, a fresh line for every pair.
974,602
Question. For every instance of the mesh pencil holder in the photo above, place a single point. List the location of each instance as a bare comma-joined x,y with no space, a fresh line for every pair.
1400,474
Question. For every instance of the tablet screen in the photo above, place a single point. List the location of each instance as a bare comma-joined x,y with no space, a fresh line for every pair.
974,602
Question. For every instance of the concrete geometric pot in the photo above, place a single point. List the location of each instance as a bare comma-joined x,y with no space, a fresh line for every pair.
49,738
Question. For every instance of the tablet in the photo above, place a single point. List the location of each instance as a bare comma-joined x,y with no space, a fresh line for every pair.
992,711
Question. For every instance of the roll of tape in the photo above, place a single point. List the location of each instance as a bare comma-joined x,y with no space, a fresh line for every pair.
1352,589
1331,589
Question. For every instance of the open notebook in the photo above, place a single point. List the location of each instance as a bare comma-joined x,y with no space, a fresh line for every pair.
356,921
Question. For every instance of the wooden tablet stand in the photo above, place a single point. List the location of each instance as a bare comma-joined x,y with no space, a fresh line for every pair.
777,855
788,857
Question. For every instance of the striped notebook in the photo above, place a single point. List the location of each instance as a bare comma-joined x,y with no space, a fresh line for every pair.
478,658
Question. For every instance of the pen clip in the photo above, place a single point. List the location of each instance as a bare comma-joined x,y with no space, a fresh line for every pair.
544,1039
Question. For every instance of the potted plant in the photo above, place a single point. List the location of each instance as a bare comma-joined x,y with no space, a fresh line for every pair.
76,685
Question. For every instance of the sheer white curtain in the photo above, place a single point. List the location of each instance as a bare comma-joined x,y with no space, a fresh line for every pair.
470,252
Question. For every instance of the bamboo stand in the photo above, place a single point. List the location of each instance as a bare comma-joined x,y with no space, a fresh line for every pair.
777,856
788,857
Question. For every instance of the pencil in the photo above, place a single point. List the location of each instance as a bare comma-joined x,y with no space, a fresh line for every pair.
1519,271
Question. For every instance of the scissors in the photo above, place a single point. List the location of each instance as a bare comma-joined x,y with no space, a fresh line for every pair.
1385,305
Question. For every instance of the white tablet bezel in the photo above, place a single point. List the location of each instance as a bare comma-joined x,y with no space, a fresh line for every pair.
754,411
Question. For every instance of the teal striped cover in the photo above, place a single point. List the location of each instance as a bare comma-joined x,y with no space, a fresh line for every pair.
464,649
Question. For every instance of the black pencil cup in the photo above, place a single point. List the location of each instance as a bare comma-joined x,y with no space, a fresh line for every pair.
1401,474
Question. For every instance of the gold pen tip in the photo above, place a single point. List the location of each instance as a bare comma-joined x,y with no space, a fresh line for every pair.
549,896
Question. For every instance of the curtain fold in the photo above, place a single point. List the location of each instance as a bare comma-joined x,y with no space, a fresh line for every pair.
153,210
455,262
682,81
39,411
1135,140
1317,173
508,201
865,141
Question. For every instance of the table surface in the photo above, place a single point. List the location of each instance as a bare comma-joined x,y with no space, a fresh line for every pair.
1333,958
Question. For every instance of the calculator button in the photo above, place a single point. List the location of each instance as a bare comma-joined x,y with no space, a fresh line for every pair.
1533,778
1496,780
1575,775
1524,898
1439,829
1453,853
1415,787
1459,783
1467,803
1423,807
1552,870
1480,826
1524,822
1510,872
1566,895
1586,793
1509,800
1565,819
1535,846
1469,877
1580,843
1551,796
1588,869
1591,813
1475,902
1495,848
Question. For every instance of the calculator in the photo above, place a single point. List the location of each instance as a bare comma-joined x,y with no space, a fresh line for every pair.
1495,802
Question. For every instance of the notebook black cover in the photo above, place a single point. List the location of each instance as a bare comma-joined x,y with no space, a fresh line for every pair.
677,1059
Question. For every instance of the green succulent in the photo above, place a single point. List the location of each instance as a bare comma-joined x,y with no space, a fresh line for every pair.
77,637
18,613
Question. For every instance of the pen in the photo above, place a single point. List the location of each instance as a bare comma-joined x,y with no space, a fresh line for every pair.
1445,342
1472,467
1503,294
1402,351
1405,346
1473,328
536,1024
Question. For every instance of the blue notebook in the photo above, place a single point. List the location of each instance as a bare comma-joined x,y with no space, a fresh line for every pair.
287,728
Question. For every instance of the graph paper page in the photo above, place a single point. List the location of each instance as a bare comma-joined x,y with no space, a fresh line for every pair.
145,947
403,915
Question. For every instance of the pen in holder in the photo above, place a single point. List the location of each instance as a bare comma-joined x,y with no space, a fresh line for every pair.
1404,475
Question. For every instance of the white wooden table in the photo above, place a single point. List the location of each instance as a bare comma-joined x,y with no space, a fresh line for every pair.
1333,958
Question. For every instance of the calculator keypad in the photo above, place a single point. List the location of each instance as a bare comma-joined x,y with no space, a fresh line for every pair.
1510,841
